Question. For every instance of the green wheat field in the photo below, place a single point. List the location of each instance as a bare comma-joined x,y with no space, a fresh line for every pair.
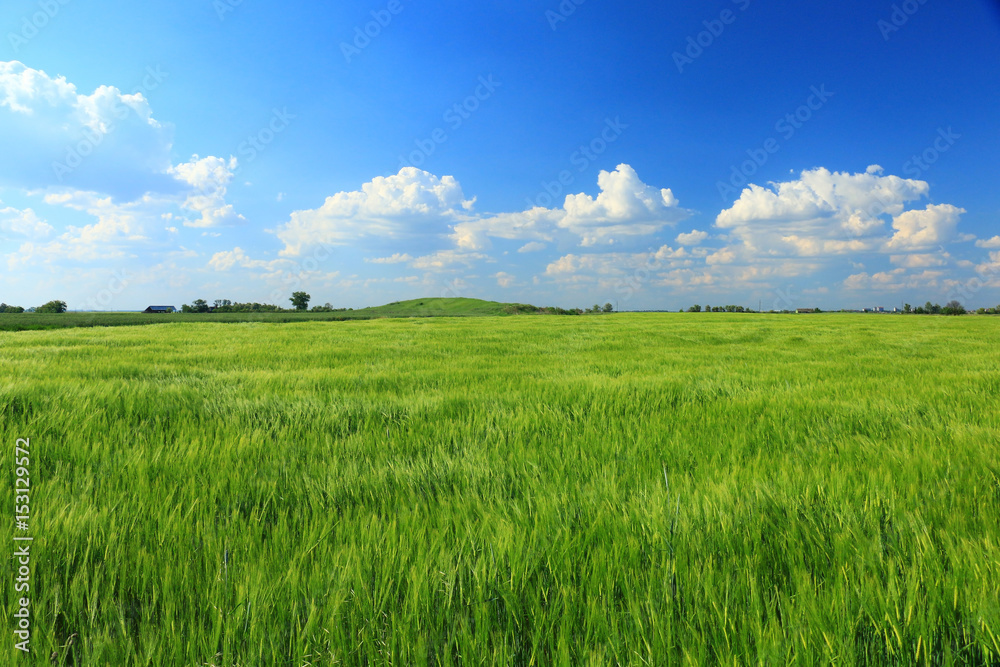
630,489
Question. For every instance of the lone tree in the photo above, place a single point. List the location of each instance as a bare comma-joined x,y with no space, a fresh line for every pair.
608,308
52,307
300,300
954,307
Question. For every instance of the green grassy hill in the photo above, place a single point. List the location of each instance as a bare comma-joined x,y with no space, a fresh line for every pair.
442,307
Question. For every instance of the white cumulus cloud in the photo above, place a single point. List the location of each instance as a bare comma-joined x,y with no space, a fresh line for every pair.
821,213
927,228
625,208
52,136
410,202
694,237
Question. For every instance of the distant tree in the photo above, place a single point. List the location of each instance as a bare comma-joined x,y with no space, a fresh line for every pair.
300,300
199,306
954,307
4,308
907,308
52,307
223,303
694,309
608,308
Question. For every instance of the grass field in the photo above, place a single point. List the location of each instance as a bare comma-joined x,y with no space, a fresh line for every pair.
494,491
432,307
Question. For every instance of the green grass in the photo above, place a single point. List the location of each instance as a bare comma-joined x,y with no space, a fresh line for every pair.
434,307
492,491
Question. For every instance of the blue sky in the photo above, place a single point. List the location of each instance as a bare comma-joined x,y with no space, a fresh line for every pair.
654,155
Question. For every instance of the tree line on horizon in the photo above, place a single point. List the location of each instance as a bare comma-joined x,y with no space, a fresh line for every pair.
50,307
300,303
953,307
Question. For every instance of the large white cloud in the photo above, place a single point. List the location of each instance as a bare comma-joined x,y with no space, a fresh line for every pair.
53,136
805,228
625,208
821,213
412,201
930,227
107,144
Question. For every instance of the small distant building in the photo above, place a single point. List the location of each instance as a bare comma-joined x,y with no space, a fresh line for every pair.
805,310
160,309
879,309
